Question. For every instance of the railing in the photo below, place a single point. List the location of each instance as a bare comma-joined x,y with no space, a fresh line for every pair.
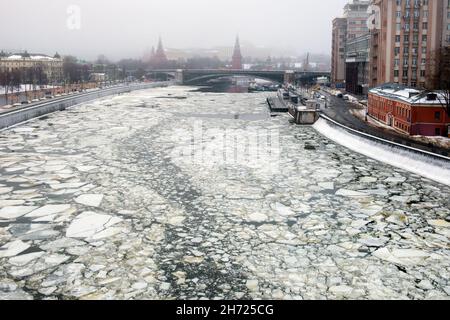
16,116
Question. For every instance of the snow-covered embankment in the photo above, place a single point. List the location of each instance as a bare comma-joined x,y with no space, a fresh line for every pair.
424,165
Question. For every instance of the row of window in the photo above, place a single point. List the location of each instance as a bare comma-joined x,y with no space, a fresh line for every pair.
405,73
416,3
407,26
401,126
415,15
414,50
414,61
415,38
402,112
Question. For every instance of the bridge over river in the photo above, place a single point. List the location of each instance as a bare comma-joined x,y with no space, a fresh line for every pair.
170,193
200,76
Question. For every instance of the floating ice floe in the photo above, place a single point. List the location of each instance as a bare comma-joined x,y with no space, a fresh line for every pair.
90,200
88,224
13,248
257,217
439,223
351,193
15,211
406,257
24,259
48,210
283,210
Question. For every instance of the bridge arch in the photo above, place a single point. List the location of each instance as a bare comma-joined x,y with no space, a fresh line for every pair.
204,78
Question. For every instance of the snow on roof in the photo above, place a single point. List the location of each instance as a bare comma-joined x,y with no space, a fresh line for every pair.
31,56
407,94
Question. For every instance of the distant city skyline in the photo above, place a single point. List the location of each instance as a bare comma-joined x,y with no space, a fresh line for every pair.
127,29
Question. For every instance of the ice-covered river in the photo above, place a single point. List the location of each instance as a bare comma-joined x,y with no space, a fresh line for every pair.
168,193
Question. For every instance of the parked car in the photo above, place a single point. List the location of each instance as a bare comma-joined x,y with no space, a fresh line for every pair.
340,95
345,97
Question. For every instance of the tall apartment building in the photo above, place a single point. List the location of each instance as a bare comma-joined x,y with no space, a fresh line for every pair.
446,24
357,65
352,25
405,38
338,52
356,13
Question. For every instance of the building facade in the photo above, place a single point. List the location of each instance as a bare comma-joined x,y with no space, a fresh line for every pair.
409,110
446,24
405,38
357,65
356,13
338,52
52,67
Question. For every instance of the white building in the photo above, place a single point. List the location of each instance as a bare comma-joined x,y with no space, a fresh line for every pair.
52,67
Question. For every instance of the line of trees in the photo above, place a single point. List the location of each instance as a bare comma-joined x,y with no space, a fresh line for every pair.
12,80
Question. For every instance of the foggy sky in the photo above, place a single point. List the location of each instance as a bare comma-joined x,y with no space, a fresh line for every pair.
126,28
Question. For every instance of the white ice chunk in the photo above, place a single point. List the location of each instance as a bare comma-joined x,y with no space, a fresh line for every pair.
15,211
91,200
13,248
88,223
49,210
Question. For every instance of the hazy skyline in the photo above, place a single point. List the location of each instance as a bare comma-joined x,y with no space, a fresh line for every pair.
125,29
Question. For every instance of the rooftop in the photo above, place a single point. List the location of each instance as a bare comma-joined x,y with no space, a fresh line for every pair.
31,56
408,94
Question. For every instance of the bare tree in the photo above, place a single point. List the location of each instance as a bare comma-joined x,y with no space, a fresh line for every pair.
439,77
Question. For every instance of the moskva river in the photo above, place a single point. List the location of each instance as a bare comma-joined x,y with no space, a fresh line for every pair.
172,193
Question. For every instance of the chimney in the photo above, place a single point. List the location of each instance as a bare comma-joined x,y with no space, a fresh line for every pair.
431,97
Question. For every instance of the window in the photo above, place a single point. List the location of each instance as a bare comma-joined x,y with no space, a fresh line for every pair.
405,50
425,25
397,50
398,26
395,73
396,62
399,2
422,73
424,38
397,38
399,14
405,73
437,115
424,50
425,14
437,131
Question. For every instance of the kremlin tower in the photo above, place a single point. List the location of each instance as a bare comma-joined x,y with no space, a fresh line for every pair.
159,58
236,63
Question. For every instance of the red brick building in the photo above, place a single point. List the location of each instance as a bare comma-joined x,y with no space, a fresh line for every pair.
409,110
